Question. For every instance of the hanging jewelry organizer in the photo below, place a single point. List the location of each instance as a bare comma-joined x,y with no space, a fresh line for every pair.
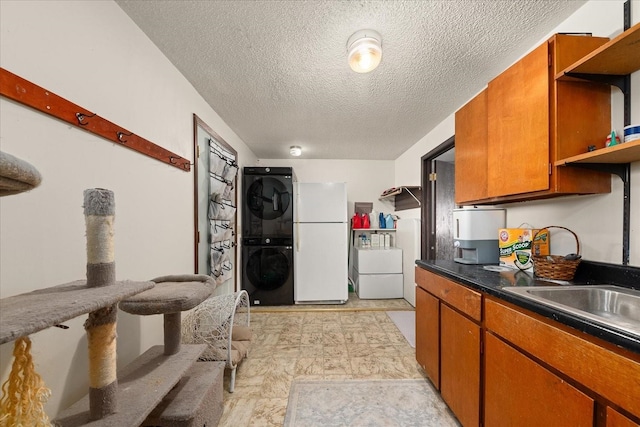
215,199
223,170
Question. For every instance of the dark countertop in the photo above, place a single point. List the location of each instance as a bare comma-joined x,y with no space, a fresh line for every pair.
588,272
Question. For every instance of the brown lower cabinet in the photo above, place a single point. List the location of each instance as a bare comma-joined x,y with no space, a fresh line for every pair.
497,364
428,342
460,365
520,392
448,342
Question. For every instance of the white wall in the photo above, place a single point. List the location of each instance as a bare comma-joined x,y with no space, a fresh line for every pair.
409,164
597,220
92,54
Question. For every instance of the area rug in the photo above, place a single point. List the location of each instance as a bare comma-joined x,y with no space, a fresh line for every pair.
406,323
332,403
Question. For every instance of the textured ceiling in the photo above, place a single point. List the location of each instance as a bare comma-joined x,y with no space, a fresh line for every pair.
276,71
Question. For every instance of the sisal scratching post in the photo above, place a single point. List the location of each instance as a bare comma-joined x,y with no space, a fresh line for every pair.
99,211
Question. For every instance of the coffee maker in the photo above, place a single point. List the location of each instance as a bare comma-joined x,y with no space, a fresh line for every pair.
475,234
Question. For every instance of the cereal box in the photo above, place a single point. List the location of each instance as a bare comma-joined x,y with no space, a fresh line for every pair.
516,246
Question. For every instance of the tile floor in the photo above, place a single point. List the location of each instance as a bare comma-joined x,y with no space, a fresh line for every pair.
356,340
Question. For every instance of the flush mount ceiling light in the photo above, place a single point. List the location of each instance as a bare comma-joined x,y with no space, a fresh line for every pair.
364,48
295,150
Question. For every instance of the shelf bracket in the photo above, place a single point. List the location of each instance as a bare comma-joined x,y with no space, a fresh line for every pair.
619,169
623,171
413,195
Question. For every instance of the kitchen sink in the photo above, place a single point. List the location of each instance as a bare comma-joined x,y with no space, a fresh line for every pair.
611,305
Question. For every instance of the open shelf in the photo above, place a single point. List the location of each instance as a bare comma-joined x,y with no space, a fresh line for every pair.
627,152
404,197
31,312
612,63
612,58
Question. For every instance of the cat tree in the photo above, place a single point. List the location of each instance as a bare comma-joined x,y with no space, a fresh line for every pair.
165,383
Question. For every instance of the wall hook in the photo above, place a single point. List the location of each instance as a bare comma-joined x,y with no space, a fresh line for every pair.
81,118
121,134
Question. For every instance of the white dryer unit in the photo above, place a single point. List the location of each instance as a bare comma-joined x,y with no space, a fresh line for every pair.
408,239
378,273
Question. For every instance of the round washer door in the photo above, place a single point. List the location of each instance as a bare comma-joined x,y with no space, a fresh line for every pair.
268,198
268,268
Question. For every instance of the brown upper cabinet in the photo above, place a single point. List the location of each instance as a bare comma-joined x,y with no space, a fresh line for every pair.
471,150
531,120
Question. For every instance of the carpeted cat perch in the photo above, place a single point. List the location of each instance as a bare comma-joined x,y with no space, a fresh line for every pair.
170,297
16,175
24,393
197,399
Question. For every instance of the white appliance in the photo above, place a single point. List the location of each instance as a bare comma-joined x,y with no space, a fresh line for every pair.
475,234
378,273
320,233
408,234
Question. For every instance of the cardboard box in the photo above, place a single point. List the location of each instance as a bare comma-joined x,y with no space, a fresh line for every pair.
516,246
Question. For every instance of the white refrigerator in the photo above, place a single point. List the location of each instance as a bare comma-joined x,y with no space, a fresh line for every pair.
321,237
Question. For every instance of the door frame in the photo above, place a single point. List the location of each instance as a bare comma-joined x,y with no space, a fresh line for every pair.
427,208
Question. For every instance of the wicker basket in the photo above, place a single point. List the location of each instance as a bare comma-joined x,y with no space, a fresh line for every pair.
555,266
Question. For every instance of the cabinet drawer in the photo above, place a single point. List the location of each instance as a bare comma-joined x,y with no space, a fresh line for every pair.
464,299
378,286
608,373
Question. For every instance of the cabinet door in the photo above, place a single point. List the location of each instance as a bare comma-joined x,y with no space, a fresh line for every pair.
616,419
428,334
518,127
471,150
460,365
520,392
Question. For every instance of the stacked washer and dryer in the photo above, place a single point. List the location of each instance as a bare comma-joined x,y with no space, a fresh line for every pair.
267,235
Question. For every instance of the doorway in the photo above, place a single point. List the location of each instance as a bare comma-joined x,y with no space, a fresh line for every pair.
215,200
438,183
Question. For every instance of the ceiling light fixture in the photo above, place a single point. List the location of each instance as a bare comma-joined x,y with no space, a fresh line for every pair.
295,150
364,48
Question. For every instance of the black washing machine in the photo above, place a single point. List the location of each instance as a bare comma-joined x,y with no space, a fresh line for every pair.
267,270
267,202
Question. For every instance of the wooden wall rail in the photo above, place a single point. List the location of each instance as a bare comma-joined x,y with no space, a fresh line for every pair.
23,91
